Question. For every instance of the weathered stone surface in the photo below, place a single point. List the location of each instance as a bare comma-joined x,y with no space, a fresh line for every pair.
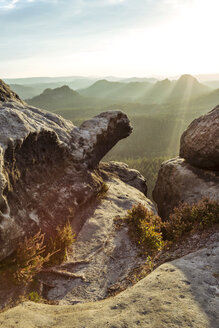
103,255
200,142
179,181
46,167
127,175
183,293
97,136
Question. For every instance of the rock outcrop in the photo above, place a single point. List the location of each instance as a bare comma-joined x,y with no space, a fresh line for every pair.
103,255
195,176
182,293
127,175
47,166
49,173
6,94
178,181
200,142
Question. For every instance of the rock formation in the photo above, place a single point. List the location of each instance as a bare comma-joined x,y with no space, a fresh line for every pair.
6,94
47,166
129,176
49,173
103,255
196,175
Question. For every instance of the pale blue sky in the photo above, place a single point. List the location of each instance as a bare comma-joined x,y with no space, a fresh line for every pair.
108,37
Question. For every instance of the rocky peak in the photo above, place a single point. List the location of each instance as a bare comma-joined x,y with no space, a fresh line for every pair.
187,78
6,94
64,90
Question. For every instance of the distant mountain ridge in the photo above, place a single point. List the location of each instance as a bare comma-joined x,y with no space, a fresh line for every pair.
186,87
185,90
57,98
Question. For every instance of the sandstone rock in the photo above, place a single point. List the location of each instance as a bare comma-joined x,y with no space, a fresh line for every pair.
183,293
179,181
6,94
46,166
127,175
103,255
97,136
200,142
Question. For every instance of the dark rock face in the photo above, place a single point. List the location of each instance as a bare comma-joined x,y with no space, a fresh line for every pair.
195,176
178,181
127,175
200,142
47,167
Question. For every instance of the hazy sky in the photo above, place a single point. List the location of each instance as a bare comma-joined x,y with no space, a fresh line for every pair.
108,37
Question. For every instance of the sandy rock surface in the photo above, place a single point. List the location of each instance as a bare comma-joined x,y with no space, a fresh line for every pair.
183,293
103,255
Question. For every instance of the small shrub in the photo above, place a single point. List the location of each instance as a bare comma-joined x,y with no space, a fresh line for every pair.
102,192
145,228
34,297
61,244
32,254
187,217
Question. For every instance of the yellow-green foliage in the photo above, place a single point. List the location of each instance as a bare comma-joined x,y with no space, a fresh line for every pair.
61,244
149,231
187,217
103,191
34,297
145,228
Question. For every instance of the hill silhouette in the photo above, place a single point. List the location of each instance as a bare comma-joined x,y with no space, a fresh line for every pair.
185,88
61,97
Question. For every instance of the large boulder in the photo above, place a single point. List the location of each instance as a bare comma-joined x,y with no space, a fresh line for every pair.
200,142
178,181
47,166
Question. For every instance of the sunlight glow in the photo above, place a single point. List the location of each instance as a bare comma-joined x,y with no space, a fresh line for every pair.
184,40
